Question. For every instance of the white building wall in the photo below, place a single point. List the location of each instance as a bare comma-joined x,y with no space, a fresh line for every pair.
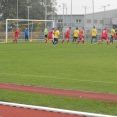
101,20
101,16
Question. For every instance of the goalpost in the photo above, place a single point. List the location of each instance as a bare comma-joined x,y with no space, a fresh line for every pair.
35,29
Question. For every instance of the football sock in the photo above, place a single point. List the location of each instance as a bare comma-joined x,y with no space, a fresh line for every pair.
62,41
67,41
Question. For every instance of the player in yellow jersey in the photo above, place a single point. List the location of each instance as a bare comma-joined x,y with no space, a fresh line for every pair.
56,36
75,35
113,33
94,35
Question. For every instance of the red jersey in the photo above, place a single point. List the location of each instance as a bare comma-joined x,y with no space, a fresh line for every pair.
67,32
104,34
50,35
81,34
16,33
115,36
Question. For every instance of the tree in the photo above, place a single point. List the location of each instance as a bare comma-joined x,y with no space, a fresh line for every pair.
9,9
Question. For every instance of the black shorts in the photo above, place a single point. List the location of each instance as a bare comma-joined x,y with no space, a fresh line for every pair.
45,36
94,37
75,37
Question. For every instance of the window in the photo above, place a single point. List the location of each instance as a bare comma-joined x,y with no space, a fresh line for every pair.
95,21
88,21
78,20
101,21
60,20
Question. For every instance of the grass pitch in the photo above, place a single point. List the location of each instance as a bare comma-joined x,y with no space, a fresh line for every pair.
77,104
67,66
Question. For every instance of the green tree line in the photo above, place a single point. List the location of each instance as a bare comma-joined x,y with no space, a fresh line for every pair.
8,8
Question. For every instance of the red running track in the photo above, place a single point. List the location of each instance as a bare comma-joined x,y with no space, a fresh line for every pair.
60,92
8,111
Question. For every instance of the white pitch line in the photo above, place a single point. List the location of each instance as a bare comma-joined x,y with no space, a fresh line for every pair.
56,110
59,78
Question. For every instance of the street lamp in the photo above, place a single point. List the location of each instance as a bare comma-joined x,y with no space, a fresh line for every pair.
71,12
28,17
52,13
66,13
17,13
104,13
93,11
46,13
85,7
64,4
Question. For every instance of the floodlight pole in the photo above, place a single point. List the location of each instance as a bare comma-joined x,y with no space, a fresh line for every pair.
45,13
104,14
85,21
17,13
93,11
71,13
28,18
63,18
66,13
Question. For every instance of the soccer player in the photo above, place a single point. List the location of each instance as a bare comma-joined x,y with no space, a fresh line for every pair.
16,35
26,34
67,35
75,35
45,34
56,36
81,36
113,35
50,35
94,35
104,36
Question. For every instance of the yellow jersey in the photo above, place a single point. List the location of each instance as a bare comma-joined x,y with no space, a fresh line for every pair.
76,33
112,32
94,32
56,34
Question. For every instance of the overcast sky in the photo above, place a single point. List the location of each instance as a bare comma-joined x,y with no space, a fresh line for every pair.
77,6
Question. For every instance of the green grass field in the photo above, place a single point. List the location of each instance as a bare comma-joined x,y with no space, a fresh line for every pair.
67,66
88,67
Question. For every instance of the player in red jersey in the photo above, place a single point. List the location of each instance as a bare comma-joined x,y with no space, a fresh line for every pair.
81,36
67,35
16,35
104,36
115,36
50,35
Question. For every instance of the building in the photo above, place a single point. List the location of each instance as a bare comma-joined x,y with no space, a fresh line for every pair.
67,21
100,20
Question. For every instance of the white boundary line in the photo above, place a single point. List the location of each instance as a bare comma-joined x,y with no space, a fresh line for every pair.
59,78
55,110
